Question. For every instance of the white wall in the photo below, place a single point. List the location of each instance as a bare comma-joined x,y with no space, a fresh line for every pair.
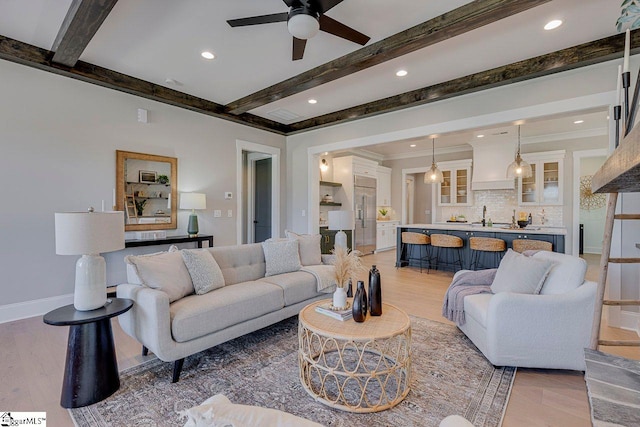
593,220
58,142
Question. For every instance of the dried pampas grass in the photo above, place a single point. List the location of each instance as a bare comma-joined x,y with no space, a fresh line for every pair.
347,264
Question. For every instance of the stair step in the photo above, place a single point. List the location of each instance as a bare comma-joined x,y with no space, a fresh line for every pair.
625,260
621,302
619,343
627,216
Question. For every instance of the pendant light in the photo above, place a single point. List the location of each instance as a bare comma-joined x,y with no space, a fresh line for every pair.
434,174
519,168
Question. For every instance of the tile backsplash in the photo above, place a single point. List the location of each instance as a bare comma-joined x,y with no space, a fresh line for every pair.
500,205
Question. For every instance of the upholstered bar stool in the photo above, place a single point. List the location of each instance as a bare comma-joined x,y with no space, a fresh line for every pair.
448,243
486,244
521,245
411,241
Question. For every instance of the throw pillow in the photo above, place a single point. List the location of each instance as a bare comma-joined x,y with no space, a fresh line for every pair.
164,271
566,274
309,247
281,256
520,274
204,270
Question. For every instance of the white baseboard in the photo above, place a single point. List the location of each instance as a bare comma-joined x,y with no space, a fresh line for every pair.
23,310
592,250
630,321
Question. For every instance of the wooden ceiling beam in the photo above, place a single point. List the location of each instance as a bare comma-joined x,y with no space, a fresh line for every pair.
32,56
83,19
582,55
473,15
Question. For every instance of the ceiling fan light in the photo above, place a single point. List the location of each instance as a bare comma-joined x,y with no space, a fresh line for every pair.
302,26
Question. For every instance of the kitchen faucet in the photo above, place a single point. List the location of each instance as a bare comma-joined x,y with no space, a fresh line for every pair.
484,214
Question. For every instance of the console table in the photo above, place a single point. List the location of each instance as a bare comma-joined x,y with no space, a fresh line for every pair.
134,243
91,369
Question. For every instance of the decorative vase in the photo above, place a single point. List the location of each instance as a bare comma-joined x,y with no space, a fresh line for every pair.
375,292
340,298
359,309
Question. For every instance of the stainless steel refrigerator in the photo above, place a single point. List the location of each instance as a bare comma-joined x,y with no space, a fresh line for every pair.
365,214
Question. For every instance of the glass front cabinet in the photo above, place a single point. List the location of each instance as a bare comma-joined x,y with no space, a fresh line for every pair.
455,190
545,185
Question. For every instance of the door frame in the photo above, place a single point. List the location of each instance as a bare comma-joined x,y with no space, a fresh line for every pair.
274,152
252,158
407,217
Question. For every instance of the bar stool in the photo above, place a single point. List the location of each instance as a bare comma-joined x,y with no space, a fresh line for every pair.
486,244
447,242
521,245
412,240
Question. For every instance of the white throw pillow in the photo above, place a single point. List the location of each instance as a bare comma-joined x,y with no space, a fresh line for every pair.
204,270
520,274
164,271
567,272
281,256
308,246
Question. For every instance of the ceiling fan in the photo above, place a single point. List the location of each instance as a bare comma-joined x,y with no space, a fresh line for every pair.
304,19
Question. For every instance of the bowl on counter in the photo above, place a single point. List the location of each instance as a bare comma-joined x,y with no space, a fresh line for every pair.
523,223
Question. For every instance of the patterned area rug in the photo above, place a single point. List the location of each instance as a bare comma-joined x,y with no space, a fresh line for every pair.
450,376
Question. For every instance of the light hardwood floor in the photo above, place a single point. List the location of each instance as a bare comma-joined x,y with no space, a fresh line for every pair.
33,354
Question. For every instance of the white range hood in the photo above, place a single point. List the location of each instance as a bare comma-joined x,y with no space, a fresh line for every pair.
491,156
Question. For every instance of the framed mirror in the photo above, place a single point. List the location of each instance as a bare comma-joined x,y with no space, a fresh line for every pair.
146,190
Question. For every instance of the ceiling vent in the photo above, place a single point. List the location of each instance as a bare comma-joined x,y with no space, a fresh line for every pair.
283,115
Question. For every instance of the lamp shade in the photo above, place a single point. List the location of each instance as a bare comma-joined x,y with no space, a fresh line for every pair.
84,233
193,201
340,220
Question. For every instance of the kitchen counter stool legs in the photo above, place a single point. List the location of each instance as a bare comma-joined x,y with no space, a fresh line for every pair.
412,241
478,245
445,242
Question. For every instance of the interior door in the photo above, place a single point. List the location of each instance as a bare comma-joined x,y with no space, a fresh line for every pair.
262,205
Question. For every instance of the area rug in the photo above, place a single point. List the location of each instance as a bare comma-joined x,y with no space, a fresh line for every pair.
450,376
613,385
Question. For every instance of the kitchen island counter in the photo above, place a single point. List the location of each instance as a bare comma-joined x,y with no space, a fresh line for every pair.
534,229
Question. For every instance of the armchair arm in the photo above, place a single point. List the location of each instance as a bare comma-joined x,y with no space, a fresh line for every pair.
551,329
327,259
149,320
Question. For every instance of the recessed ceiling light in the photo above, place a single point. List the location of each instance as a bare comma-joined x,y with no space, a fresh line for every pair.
207,55
480,136
551,25
412,145
312,101
577,122
401,73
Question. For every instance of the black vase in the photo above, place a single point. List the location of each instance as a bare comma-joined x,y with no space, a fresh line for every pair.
349,289
359,309
375,292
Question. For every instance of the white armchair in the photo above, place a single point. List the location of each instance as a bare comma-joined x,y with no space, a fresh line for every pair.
549,330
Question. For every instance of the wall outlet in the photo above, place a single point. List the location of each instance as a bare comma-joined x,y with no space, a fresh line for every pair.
228,195
217,213
230,213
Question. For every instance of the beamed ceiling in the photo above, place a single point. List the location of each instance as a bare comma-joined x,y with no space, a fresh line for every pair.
151,48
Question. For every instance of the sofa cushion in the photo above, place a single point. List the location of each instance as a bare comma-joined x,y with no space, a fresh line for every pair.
520,274
281,256
198,315
308,247
567,272
297,286
203,269
477,307
240,263
164,271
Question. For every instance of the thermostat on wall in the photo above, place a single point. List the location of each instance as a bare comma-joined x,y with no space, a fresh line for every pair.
228,195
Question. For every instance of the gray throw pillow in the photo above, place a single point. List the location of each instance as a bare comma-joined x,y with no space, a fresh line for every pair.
520,274
281,256
204,270
308,246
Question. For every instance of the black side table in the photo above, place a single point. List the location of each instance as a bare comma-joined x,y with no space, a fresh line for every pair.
91,369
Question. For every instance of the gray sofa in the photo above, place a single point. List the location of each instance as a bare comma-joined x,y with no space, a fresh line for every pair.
248,301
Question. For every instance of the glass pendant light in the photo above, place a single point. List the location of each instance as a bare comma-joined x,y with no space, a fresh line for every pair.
434,174
519,168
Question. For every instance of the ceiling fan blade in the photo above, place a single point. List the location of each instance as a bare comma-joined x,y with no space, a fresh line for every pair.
298,48
331,26
289,2
323,5
257,20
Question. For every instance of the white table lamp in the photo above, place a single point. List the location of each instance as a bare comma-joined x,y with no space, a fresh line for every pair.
89,234
340,220
193,201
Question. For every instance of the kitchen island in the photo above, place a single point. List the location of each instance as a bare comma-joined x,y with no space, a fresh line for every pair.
554,235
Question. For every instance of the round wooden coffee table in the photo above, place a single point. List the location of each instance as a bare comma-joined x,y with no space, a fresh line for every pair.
355,367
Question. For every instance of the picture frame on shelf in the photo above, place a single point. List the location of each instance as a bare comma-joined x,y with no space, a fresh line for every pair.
148,177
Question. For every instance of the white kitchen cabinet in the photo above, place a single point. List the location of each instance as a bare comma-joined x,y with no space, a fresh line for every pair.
386,234
455,190
383,192
545,186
